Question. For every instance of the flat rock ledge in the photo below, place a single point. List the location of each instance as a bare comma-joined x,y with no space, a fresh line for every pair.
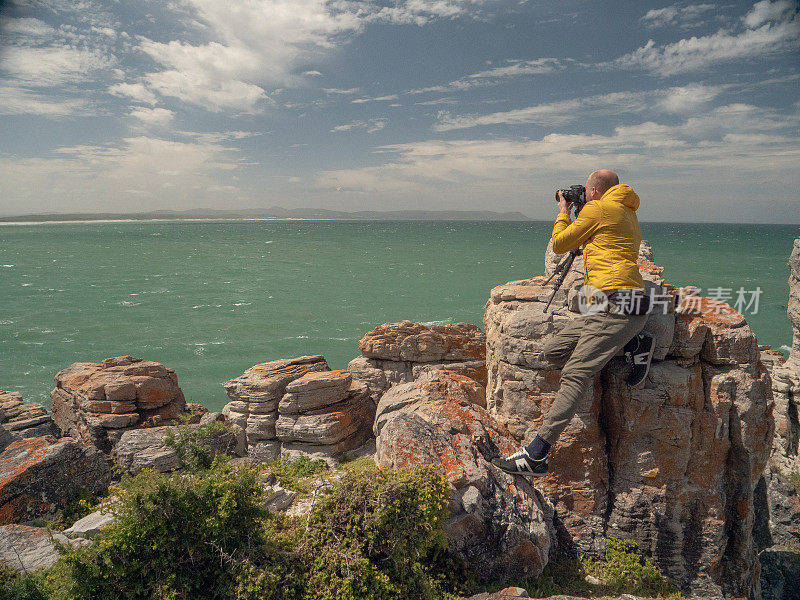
97,402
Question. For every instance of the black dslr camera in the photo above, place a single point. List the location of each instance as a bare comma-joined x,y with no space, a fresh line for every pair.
575,194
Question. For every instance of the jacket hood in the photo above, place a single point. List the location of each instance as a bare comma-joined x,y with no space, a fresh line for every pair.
623,194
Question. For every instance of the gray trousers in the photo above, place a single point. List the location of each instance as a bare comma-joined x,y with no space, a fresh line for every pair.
583,348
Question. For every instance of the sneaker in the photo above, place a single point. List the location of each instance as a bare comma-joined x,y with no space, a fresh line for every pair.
639,352
520,463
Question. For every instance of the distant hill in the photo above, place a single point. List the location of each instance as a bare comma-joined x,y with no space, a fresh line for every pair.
278,212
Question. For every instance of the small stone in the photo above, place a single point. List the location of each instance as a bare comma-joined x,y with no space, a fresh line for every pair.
90,525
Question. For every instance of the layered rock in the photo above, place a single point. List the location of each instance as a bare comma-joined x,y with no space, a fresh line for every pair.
97,402
395,353
40,475
324,414
24,419
255,396
672,466
298,406
498,524
778,506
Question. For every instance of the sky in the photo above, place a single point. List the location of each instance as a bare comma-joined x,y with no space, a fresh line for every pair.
136,105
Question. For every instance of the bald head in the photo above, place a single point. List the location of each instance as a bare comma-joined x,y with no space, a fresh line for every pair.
603,180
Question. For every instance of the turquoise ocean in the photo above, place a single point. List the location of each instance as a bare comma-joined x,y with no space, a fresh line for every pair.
212,298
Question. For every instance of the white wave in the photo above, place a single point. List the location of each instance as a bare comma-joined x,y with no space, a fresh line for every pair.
27,284
6,322
126,303
786,348
242,303
341,339
432,323
8,266
269,242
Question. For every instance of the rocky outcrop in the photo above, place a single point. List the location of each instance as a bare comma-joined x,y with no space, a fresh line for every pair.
498,524
324,414
145,448
41,475
255,396
395,353
28,549
298,406
778,497
97,402
672,466
24,419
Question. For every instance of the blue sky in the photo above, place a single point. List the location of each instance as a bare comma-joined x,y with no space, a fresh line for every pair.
418,104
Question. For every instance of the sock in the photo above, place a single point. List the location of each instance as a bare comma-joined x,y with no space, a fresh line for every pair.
538,448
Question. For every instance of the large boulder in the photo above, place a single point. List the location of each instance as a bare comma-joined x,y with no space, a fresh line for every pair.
25,419
97,402
673,465
499,524
40,475
394,353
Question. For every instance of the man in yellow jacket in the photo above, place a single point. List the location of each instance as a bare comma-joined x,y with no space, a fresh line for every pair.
608,231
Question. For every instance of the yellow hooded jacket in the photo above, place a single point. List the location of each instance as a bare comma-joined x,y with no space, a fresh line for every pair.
609,231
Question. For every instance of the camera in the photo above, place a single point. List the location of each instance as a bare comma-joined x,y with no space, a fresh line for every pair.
575,194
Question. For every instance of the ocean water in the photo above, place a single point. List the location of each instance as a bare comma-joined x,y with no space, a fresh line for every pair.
210,299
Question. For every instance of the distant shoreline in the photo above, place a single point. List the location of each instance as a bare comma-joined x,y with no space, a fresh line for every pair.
206,220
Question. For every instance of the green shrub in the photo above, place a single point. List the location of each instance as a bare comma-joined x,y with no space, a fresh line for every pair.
178,536
378,534
189,444
625,571
16,586
294,474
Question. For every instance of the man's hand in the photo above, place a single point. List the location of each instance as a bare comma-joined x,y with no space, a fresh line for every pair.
564,206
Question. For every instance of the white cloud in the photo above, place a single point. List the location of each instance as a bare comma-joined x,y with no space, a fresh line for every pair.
732,141
671,100
136,91
769,30
139,173
516,68
768,11
53,66
370,126
158,117
676,15
420,12
26,27
258,43
16,100
494,76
